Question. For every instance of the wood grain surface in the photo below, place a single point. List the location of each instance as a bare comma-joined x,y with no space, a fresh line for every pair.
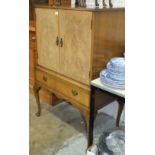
44,94
75,30
88,39
109,38
47,32
69,88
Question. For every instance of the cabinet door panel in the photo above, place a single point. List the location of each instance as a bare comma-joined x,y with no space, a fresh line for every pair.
75,30
47,32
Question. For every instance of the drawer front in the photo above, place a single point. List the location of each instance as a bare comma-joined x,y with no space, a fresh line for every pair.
45,79
68,89
73,92
32,40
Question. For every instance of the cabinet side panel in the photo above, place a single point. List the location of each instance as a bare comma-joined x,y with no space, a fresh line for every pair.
47,32
109,38
32,51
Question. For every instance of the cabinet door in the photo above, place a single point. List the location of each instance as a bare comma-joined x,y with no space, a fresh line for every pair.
75,54
47,33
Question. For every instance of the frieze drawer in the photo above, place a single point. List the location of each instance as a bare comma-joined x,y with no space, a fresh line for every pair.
65,87
74,92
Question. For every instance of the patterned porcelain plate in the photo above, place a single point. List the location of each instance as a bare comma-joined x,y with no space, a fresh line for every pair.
117,77
106,79
115,70
117,61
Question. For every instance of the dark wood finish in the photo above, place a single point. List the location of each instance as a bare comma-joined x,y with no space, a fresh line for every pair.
36,93
91,120
59,2
121,103
32,4
31,10
109,38
94,90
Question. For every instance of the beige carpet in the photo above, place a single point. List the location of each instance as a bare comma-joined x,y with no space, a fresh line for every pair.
60,130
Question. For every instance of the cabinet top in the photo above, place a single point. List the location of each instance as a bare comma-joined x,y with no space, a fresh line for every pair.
68,7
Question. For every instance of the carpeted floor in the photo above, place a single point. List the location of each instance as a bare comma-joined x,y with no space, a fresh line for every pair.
60,130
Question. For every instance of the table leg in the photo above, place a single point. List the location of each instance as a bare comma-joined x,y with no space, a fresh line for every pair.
91,117
121,103
36,93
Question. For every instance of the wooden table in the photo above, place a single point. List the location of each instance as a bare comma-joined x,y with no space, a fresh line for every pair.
109,94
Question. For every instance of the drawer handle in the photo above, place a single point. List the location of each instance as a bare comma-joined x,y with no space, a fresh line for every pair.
57,41
61,42
74,92
45,78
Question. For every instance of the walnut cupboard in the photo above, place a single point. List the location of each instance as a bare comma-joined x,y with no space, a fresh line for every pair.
73,46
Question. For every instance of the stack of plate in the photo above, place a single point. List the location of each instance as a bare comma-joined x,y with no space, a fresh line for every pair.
114,74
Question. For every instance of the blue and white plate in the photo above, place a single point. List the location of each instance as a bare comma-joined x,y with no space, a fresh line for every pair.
115,70
119,77
116,65
104,73
107,80
117,62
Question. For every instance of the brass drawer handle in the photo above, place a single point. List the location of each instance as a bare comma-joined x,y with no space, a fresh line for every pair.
74,92
45,78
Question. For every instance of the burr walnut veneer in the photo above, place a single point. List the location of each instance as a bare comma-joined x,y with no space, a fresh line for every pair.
73,46
46,96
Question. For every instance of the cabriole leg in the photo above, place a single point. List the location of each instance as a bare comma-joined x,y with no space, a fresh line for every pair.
36,93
